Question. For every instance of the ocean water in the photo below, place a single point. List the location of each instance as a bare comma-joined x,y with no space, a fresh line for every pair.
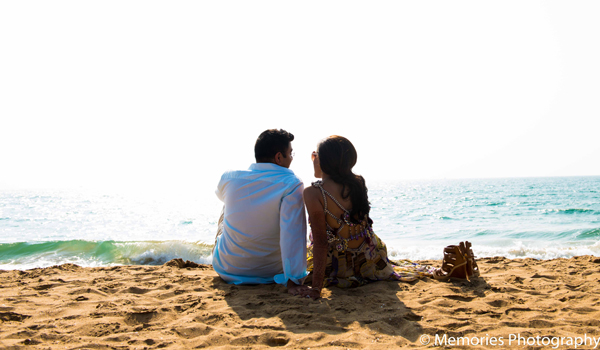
541,218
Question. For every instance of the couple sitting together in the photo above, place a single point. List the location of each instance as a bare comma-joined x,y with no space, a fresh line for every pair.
262,230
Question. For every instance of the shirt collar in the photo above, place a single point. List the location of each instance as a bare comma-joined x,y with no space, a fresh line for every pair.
269,167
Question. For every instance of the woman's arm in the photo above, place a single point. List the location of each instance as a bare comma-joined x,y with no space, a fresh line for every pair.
318,225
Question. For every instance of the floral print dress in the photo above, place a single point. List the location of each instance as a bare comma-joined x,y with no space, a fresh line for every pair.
352,267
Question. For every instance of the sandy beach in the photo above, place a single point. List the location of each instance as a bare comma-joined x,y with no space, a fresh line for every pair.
179,306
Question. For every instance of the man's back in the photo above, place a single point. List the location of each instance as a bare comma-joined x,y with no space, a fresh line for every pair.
264,227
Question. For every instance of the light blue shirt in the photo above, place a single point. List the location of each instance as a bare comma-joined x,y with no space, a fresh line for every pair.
263,236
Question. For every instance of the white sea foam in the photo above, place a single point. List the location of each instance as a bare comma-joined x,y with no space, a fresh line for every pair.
160,252
514,251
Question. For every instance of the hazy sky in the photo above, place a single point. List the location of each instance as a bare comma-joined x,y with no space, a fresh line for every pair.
161,94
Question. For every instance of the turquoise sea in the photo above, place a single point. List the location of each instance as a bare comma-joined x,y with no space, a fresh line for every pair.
541,218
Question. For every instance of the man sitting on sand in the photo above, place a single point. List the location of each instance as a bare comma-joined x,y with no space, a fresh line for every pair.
262,231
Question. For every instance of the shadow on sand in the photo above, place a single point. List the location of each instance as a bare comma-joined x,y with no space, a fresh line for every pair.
375,306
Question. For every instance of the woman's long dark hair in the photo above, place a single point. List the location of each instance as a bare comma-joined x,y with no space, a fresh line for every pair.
337,156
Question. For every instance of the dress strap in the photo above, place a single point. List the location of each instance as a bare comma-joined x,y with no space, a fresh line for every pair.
319,184
324,192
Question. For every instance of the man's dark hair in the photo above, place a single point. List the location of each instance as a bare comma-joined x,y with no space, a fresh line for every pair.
269,143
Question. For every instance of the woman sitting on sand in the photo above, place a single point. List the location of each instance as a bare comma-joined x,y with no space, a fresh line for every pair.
344,250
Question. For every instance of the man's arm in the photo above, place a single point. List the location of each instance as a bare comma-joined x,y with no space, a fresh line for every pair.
292,222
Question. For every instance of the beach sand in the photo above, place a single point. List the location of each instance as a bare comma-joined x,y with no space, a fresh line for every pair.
175,307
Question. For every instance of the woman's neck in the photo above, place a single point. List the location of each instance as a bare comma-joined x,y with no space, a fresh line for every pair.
326,178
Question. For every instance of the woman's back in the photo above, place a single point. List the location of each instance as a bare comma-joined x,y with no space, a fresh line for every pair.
332,193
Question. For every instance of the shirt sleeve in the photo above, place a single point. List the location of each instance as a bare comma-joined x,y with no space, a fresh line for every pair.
292,239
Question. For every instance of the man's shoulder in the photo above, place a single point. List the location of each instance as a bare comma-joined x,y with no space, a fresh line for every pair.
232,174
275,174
294,179
270,172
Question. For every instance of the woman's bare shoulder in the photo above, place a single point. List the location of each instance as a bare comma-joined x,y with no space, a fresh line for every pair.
312,197
311,192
